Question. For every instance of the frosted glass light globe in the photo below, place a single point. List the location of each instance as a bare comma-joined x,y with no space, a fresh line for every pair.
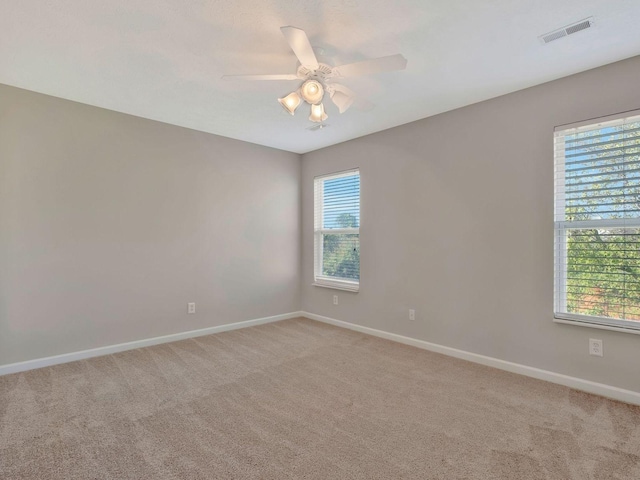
312,91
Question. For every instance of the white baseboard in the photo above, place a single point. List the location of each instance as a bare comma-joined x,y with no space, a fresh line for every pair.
121,347
604,390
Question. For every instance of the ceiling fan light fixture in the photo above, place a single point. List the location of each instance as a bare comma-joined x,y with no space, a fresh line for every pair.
317,77
290,102
312,91
317,113
342,101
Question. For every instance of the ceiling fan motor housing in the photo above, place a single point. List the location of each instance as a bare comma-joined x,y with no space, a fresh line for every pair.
314,86
321,73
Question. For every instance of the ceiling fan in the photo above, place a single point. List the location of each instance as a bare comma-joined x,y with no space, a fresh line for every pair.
319,78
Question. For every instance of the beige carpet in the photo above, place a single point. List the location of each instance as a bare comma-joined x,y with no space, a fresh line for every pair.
300,399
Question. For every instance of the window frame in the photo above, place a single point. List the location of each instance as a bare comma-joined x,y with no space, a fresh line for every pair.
320,280
563,227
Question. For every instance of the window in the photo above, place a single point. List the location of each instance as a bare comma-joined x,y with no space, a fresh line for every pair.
337,230
597,222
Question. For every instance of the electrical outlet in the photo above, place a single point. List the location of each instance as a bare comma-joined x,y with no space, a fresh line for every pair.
191,308
412,314
335,299
595,347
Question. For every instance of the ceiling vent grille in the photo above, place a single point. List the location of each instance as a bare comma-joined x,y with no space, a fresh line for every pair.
566,31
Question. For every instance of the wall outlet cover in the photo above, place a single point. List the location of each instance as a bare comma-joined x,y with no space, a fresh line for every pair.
595,347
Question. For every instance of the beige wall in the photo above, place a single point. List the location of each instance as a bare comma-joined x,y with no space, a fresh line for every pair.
457,223
110,224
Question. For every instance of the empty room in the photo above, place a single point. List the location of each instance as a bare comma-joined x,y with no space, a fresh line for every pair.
321,239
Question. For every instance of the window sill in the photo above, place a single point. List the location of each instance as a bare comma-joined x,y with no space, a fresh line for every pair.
348,287
600,326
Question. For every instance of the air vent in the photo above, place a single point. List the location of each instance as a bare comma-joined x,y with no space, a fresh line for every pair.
568,30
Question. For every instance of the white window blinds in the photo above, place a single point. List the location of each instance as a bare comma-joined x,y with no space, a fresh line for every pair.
597,222
337,230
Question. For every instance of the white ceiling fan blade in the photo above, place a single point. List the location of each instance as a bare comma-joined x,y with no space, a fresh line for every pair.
344,97
299,43
337,87
375,65
284,76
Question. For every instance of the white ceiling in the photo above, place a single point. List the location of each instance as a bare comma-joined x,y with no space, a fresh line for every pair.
163,59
